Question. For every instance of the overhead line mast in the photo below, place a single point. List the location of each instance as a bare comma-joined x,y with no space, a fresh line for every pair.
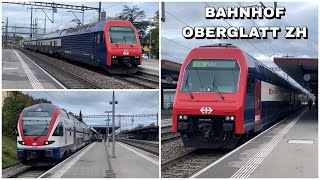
55,6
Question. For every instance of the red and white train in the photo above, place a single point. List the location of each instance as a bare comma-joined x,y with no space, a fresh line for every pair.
48,134
224,94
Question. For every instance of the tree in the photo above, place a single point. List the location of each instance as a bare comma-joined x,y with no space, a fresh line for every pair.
13,106
135,16
152,124
139,126
80,116
155,36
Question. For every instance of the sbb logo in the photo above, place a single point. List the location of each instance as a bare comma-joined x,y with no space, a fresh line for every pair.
206,110
125,52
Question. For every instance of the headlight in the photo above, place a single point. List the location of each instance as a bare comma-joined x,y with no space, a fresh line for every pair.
232,118
227,118
183,117
48,142
114,57
22,142
137,57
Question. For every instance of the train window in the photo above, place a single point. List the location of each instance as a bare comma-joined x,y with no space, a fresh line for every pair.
50,43
59,130
214,75
70,131
98,39
122,35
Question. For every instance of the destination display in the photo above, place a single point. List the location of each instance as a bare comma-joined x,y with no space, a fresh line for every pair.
213,64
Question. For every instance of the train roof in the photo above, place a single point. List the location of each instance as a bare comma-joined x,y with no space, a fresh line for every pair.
39,107
87,28
257,62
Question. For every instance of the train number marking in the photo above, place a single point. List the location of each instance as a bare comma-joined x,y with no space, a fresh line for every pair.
206,110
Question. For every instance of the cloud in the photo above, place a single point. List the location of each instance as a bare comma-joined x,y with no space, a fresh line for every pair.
20,15
97,102
192,14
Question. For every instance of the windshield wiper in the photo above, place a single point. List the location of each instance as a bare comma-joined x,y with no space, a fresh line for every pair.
42,132
216,87
187,87
199,78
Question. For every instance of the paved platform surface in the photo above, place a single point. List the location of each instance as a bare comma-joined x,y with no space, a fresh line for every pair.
91,162
131,162
19,72
150,67
166,122
272,155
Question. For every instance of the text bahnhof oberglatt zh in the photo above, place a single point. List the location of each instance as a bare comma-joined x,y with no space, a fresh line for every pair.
218,32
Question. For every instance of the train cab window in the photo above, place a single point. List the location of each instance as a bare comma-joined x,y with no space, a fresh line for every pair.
211,75
122,35
36,123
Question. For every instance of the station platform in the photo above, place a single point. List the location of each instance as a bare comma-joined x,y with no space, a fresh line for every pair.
90,162
20,72
150,66
131,162
166,122
289,149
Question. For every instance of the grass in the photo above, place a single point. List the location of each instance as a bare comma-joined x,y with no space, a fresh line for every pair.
9,151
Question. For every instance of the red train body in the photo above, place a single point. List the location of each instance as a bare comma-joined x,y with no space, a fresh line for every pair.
220,97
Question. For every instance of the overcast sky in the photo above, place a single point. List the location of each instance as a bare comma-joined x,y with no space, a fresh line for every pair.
193,14
97,102
20,15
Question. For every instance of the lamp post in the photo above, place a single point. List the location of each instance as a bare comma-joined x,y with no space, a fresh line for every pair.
107,128
113,103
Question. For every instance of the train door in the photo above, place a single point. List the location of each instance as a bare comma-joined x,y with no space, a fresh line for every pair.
100,48
257,103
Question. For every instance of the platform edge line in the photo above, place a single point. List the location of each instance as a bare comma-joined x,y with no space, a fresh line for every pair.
61,163
141,155
56,81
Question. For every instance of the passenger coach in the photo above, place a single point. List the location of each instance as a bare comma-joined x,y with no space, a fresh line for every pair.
224,94
112,44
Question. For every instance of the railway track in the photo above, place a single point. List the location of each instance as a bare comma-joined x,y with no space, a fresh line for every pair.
32,172
167,135
181,162
191,162
74,80
139,80
68,79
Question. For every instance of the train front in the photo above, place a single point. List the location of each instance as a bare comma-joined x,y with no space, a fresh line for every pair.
35,146
123,47
209,102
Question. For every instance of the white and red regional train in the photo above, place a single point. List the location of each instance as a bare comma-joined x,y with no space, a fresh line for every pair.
48,134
